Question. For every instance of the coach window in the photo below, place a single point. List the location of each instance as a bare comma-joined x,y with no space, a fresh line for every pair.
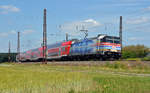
63,48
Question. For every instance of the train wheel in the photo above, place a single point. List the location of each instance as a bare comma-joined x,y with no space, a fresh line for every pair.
112,59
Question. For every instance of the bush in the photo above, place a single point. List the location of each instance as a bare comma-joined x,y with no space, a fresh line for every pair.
146,58
71,91
116,65
133,59
135,51
4,57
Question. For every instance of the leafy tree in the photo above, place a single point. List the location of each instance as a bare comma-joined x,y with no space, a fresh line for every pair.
4,57
135,51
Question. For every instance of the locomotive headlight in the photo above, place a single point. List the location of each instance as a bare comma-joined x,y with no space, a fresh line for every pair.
114,50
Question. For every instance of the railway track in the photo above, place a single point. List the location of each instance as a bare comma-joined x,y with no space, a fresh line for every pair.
87,62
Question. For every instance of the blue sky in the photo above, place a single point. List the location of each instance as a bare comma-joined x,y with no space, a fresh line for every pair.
68,16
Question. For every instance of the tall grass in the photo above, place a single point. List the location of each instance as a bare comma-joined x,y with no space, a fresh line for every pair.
136,67
36,78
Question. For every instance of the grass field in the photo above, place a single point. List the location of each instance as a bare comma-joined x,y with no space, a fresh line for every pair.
115,77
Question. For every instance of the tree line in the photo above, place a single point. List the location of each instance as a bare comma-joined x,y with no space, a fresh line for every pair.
135,51
4,57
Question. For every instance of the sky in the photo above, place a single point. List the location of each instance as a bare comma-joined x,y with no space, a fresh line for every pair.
70,16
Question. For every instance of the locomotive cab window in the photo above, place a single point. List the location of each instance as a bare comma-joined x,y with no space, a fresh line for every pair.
110,39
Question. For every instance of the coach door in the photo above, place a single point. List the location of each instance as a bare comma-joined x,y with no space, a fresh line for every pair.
63,50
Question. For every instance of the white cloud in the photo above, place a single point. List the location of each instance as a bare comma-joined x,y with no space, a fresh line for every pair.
135,38
147,9
138,20
73,27
8,8
29,31
13,32
91,22
132,1
5,34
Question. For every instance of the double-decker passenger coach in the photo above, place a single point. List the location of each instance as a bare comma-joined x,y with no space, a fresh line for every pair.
101,47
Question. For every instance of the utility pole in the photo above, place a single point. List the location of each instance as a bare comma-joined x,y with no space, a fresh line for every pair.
66,36
18,48
120,33
44,39
9,56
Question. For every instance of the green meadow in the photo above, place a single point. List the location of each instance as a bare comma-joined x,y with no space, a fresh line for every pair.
117,77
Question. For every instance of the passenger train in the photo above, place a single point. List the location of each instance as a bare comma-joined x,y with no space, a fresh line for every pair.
101,47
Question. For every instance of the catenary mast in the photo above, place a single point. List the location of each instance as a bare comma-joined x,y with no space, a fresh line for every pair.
120,33
44,38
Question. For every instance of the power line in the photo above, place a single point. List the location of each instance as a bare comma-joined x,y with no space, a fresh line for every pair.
85,31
